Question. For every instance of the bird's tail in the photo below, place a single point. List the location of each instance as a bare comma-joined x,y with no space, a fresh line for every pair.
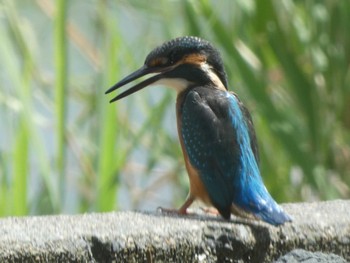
273,214
257,201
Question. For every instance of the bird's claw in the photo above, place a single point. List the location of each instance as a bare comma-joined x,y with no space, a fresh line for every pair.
171,211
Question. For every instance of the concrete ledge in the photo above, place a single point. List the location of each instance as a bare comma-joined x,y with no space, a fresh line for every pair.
152,237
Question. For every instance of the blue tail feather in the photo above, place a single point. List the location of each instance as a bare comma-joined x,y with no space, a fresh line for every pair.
254,198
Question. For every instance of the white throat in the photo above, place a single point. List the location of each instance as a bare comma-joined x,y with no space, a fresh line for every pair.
180,84
176,83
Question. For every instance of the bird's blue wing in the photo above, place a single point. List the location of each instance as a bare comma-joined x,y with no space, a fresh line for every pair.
248,120
216,136
210,142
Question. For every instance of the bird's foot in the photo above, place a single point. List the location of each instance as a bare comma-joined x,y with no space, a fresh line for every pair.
211,211
182,210
172,211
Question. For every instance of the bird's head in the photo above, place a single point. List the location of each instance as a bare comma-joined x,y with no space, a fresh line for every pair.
180,63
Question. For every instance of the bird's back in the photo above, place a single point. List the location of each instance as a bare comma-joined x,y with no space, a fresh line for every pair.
219,139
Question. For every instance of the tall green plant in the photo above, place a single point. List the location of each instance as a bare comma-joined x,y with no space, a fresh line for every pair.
61,92
109,160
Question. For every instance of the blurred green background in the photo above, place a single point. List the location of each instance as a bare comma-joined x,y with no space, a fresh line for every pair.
65,149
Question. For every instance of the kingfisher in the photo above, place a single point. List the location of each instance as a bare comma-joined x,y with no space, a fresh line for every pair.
215,130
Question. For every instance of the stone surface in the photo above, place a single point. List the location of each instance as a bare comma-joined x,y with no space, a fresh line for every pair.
154,237
300,255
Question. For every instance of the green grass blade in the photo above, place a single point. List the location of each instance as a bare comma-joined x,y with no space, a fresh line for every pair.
61,90
21,77
20,169
108,162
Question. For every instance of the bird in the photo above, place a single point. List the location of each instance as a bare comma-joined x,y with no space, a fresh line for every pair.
215,130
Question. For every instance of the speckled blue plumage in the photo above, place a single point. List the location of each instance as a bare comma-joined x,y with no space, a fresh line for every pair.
220,142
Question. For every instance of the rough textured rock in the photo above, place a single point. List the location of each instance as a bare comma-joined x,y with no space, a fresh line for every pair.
153,237
300,255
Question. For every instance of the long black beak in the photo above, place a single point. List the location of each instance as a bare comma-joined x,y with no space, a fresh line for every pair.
144,70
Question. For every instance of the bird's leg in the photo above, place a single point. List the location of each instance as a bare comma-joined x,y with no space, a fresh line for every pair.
182,210
189,200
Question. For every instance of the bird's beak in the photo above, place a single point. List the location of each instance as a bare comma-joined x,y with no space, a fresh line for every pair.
144,70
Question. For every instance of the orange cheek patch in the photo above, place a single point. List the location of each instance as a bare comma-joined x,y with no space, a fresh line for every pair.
196,59
158,62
